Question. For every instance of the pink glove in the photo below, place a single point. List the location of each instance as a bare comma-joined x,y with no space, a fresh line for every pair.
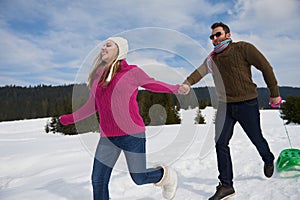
66,119
276,105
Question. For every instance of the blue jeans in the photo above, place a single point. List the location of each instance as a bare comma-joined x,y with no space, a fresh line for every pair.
107,154
248,116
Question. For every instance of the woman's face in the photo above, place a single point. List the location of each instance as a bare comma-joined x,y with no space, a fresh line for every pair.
109,51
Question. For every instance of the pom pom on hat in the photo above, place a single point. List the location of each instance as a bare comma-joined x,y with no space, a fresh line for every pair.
123,50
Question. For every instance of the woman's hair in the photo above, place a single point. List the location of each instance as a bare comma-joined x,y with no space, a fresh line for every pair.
221,24
116,69
98,63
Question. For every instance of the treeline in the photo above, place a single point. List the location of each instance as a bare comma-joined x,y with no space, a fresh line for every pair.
155,108
17,103
34,102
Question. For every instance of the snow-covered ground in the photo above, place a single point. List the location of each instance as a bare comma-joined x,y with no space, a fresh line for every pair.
37,165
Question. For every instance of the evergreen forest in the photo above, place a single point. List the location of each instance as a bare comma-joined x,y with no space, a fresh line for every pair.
18,103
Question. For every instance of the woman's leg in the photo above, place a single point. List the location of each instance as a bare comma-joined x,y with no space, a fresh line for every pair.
105,158
134,147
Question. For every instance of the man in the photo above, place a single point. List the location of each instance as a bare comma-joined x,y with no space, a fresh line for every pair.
230,65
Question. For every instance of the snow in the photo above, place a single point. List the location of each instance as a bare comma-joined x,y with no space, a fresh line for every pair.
37,165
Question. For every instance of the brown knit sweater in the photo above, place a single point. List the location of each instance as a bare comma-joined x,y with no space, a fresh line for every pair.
232,73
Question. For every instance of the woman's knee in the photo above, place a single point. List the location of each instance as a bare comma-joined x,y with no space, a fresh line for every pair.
138,178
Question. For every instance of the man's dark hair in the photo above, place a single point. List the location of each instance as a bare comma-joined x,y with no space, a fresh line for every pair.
221,24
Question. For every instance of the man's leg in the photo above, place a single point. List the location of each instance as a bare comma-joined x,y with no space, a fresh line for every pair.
224,131
249,118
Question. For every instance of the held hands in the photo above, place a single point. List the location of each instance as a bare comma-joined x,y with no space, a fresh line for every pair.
184,89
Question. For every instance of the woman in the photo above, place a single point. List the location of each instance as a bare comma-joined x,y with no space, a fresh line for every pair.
114,88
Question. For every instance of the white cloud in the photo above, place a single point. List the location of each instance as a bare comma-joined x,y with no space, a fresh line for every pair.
266,17
60,34
17,51
271,27
160,71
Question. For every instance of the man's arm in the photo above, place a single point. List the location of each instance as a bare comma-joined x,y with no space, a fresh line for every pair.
196,75
258,60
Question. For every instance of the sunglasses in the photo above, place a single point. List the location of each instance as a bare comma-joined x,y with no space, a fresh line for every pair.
218,34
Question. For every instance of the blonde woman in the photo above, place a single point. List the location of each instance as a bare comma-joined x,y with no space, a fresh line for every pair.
114,88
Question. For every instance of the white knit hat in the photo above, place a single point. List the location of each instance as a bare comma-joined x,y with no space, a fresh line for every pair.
123,50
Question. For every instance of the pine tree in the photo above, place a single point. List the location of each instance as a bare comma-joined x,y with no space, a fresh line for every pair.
199,118
291,109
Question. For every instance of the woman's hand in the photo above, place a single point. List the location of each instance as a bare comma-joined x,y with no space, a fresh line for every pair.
66,119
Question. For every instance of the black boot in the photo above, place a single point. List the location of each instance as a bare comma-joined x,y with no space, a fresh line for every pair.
268,170
223,192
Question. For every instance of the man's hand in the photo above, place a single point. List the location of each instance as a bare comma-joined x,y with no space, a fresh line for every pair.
275,102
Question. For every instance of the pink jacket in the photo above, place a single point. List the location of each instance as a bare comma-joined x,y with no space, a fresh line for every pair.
116,104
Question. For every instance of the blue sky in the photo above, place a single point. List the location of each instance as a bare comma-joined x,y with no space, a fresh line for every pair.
54,42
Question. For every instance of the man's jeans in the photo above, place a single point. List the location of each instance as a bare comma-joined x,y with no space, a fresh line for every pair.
107,153
248,116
